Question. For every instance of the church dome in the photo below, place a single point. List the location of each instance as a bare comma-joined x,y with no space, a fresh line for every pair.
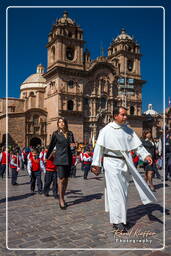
35,80
65,20
151,111
123,36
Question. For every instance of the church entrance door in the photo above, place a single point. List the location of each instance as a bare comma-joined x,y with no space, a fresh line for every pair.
34,142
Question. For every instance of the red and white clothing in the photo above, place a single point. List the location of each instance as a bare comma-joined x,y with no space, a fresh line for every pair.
43,155
29,155
23,155
35,164
50,166
15,162
81,156
50,177
87,158
4,157
74,160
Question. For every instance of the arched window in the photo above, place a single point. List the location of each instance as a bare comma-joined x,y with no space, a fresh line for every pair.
103,102
130,65
36,119
132,110
70,105
70,83
70,53
31,94
53,53
69,34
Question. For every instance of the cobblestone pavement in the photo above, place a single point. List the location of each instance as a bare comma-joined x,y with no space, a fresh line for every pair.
37,226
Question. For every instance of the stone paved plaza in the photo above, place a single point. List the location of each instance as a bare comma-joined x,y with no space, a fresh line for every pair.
37,226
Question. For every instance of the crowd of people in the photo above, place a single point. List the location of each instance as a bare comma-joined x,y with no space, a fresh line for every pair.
60,160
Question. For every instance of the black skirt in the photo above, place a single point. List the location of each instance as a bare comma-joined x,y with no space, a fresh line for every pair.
148,167
63,171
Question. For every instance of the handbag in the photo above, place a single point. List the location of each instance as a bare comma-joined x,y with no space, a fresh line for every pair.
96,170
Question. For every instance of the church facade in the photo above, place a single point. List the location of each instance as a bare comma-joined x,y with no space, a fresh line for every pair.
82,90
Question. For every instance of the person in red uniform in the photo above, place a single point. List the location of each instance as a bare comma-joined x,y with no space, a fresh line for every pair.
43,154
34,167
135,158
15,166
50,176
87,159
4,161
73,166
24,155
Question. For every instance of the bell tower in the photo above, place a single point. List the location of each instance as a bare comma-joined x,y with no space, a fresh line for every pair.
65,44
125,50
64,76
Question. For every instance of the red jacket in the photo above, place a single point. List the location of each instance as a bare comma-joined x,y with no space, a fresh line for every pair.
35,163
15,160
5,158
50,166
87,158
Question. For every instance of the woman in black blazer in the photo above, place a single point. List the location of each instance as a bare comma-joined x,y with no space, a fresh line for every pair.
149,144
63,140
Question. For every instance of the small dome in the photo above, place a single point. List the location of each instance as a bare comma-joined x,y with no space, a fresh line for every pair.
151,111
123,36
65,20
35,80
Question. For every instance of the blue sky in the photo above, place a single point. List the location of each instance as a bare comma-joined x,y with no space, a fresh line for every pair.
28,30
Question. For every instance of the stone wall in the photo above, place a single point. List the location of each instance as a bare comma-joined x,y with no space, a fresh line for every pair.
16,129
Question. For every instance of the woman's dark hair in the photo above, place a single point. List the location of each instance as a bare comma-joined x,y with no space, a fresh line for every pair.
145,133
117,109
65,122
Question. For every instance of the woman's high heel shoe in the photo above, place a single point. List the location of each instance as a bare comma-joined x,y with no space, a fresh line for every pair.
63,207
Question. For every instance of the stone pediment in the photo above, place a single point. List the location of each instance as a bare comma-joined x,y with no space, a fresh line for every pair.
101,62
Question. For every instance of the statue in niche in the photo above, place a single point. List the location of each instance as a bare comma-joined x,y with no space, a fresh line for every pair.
62,88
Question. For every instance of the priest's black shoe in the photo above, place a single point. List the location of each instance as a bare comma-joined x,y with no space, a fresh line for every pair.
120,227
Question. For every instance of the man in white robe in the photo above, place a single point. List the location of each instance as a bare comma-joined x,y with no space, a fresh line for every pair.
114,143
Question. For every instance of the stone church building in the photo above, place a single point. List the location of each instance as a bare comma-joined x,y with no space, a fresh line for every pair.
82,90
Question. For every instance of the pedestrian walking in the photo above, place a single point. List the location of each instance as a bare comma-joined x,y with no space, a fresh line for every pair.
149,169
50,176
115,141
87,160
14,166
81,158
24,155
4,161
74,165
63,140
34,168
168,156
43,153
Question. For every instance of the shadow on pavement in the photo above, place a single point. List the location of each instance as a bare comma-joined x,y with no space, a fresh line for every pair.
15,198
74,192
136,213
95,178
161,185
86,198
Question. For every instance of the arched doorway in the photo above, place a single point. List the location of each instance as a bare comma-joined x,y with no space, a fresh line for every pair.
34,142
